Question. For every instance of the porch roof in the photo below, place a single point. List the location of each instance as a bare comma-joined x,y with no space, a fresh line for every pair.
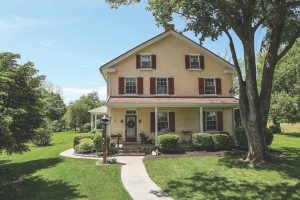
173,101
99,110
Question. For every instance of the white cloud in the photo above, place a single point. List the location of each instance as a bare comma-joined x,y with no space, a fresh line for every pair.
72,94
17,22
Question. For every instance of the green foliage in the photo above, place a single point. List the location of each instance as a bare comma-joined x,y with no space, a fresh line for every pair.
78,137
275,129
202,141
221,141
86,127
57,125
169,143
240,138
98,140
54,106
77,112
42,137
269,136
86,145
21,106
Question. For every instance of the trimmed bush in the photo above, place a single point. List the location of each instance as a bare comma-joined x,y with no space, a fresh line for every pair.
221,141
275,129
42,137
269,136
241,140
98,142
202,141
78,137
86,145
169,143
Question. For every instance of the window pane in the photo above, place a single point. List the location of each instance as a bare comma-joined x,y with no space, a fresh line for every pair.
161,86
194,62
211,120
210,86
162,121
130,86
145,61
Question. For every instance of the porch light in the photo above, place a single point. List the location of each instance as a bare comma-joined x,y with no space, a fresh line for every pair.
105,120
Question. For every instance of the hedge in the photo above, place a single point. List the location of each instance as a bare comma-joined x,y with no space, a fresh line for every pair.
78,137
221,141
202,141
86,145
169,143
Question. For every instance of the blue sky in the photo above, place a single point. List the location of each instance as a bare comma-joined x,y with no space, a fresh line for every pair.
69,39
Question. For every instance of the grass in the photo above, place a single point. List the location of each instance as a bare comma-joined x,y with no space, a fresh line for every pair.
43,174
227,177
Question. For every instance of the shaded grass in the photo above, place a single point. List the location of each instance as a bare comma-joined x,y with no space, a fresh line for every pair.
43,174
228,177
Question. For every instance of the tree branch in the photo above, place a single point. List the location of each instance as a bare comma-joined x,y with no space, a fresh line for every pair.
290,43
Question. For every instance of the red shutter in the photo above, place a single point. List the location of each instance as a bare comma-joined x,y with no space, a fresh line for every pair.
201,58
171,85
121,85
172,121
187,61
152,85
201,86
218,86
152,122
220,121
153,60
140,85
138,61
204,121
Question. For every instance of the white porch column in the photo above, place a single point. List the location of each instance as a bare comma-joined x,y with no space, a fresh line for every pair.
92,122
156,119
95,122
201,118
109,114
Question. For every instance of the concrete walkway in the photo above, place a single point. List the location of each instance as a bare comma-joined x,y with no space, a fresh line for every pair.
134,177
137,181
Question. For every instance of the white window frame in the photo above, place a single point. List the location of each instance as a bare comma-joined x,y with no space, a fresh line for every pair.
168,120
136,86
141,61
198,58
215,86
206,121
167,81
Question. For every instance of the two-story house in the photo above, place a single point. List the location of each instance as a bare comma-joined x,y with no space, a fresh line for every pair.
169,83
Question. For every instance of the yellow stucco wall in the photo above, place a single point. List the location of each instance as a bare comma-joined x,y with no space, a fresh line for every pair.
170,58
185,119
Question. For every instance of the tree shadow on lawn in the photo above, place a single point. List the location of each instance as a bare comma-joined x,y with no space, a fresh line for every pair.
287,162
209,186
292,134
17,182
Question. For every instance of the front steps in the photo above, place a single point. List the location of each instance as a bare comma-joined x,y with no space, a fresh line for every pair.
134,149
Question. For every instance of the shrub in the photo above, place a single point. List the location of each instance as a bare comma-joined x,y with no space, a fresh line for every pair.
241,140
269,136
221,141
86,127
78,137
42,137
202,141
57,125
86,145
169,143
98,142
275,129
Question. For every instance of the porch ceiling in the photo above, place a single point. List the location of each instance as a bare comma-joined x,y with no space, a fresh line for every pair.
173,101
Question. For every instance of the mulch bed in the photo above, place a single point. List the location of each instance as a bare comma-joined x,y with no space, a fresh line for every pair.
191,154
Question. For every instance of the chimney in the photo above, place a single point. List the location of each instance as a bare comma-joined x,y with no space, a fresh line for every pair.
169,27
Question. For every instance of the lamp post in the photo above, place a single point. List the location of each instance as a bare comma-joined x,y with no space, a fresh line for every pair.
105,120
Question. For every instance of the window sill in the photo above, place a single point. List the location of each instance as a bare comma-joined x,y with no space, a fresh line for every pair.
146,69
195,69
210,95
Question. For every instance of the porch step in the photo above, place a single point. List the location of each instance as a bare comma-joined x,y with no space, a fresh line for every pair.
135,149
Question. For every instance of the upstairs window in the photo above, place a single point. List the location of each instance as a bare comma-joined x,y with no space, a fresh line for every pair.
161,86
194,62
130,85
146,61
210,86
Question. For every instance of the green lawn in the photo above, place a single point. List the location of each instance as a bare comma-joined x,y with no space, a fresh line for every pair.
227,177
43,174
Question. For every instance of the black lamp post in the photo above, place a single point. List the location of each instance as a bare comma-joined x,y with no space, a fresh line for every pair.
105,120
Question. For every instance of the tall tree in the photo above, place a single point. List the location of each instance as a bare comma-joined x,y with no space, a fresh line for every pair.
212,18
20,103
